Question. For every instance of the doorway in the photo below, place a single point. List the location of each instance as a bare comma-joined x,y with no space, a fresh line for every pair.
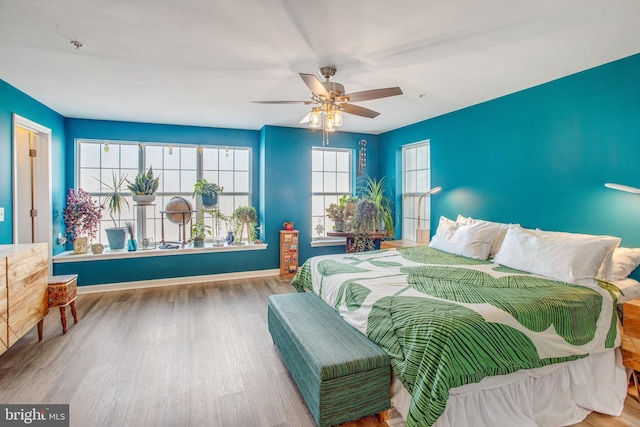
32,208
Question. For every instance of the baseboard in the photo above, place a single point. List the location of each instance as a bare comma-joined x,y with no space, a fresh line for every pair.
108,287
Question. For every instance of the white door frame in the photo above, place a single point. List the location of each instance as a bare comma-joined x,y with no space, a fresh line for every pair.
42,182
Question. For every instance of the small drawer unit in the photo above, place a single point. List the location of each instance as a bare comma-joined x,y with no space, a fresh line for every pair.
288,253
631,339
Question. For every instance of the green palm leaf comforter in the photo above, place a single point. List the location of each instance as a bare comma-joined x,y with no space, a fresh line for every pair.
446,320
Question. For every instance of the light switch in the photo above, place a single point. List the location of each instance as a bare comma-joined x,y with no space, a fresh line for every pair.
1,214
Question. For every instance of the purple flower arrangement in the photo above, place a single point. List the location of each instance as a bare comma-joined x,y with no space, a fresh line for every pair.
81,215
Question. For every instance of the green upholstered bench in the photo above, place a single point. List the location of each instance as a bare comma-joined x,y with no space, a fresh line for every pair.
341,374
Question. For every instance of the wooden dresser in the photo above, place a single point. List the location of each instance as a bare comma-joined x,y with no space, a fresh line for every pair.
23,290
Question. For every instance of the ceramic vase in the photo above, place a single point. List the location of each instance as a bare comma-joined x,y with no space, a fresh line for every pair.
230,238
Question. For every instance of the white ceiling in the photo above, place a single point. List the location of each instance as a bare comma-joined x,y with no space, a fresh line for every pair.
201,62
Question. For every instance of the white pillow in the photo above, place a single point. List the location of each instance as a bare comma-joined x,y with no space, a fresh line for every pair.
499,237
623,262
606,264
472,240
566,257
630,289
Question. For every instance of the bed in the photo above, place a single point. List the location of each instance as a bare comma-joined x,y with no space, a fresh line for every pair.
474,341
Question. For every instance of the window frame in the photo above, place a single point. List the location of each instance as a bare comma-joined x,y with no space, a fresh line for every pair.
329,196
410,217
141,216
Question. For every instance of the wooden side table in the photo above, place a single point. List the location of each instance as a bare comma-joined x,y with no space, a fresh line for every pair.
377,236
631,339
63,291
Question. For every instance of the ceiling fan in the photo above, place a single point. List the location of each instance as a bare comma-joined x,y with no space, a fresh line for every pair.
330,100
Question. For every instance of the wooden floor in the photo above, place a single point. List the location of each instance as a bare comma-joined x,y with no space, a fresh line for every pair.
193,355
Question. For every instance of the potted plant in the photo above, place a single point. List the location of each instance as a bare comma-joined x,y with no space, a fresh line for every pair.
365,222
376,191
208,191
144,187
81,218
349,203
338,214
246,217
217,218
115,201
200,231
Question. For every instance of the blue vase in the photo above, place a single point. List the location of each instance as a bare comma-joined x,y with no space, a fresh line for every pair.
116,237
210,200
230,238
132,245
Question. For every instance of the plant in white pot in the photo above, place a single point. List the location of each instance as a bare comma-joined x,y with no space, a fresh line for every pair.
144,187
115,201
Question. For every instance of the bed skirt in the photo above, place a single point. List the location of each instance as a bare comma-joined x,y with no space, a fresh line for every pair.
555,395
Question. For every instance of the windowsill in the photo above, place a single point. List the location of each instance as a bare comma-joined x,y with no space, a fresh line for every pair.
69,256
329,242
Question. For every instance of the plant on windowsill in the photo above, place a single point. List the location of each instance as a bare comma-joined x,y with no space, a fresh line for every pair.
338,214
144,187
349,203
115,201
365,223
376,190
208,191
246,217
200,232
217,219
81,218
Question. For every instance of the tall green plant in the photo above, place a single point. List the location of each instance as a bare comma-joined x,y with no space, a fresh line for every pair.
376,190
114,199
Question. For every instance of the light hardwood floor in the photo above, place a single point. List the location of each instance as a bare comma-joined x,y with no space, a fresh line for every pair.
193,355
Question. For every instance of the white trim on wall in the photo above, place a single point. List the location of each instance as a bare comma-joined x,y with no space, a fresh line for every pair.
43,183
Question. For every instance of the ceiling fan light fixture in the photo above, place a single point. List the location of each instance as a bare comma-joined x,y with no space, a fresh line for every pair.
329,125
315,118
337,118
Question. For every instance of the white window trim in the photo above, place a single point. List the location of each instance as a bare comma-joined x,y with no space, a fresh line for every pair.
69,256
404,194
328,240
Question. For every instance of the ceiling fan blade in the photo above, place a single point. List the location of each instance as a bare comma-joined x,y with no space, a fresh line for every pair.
316,86
305,119
283,102
366,95
359,111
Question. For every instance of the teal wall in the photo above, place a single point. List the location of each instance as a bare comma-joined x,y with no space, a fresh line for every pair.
286,174
13,101
539,157
281,191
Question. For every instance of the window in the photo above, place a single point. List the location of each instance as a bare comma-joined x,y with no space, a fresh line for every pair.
331,178
179,166
416,180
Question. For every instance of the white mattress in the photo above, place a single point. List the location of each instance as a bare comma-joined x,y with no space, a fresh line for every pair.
555,395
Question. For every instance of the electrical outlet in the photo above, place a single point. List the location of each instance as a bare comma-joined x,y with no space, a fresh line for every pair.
1,214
